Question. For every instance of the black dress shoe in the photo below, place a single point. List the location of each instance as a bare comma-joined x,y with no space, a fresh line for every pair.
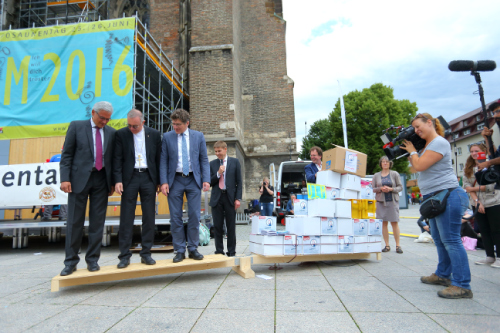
148,260
179,257
68,269
195,255
123,263
231,254
93,267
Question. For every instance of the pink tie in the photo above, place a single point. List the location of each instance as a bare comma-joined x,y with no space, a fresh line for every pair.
221,182
98,149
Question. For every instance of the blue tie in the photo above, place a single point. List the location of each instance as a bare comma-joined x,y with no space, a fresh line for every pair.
185,161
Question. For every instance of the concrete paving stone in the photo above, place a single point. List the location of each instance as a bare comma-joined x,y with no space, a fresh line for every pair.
196,298
395,270
375,301
356,283
490,300
410,283
311,282
157,320
19,297
395,322
422,270
69,295
93,319
467,323
299,269
430,302
291,321
234,280
203,279
120,296
19,317
482,286
343,268
229,321
20,284
243,299
310,300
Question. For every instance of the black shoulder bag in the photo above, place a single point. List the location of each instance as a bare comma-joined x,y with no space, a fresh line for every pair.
435,205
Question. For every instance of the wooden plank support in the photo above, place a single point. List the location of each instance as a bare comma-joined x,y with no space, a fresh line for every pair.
162,267
245,267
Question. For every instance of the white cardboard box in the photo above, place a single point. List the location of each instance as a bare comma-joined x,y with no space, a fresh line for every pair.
374,247
300,206
328,178
360,227
344,227
346,244
375,227
311,245
321,207
292,245
263,223
360,244
303,225
350,182
266,245
329,244
366,192
374,239
328,226
347,194
343,209
332,193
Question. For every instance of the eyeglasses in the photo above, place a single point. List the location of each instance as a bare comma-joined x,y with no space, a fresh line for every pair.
133,126
101,117
178,124
496,111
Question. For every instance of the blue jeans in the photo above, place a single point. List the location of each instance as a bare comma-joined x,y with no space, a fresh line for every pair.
266,208
453,263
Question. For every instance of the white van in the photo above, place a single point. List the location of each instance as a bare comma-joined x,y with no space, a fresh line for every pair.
287,180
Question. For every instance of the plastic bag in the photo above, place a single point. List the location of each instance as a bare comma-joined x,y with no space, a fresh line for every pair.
204,235
424,237
469,243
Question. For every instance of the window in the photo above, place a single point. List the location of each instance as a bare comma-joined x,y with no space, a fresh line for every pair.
467,131
478,118
461,165
480,126
459,151
456,135
465,122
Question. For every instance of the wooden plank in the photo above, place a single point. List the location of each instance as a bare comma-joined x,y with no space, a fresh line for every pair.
162,267
245,268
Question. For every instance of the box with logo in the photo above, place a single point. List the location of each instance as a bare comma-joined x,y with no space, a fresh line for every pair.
346,244
347,194
344,160
292,245
263,223
321,207
366,192
343,209
328,178
311,245
328,226
300,206
374,247
266,245
350,182
360,244
360,227
329,244
344,227
316,191
303,225
332,193
375,227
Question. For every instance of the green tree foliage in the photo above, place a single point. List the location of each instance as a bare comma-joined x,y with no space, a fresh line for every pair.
368,113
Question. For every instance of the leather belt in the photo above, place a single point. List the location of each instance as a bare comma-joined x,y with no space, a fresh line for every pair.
140,170
183,175
95,170
223,191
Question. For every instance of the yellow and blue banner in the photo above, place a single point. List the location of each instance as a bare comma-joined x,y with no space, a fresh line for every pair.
51,76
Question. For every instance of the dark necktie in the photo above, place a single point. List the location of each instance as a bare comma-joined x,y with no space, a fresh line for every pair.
98,149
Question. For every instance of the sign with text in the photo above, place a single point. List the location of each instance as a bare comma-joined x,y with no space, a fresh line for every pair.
51,76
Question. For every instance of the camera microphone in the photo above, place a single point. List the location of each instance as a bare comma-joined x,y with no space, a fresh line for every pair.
469,65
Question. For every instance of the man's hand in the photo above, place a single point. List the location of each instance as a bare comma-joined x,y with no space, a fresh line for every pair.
487,132
206,186
221,170
481,208
66,187
112,191
237,204
484,165
292,212
427,228
119,188
164,189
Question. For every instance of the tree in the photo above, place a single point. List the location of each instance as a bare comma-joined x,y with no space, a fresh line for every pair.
320,134
368,113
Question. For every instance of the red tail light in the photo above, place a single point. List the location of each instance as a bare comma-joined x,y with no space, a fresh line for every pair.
278,199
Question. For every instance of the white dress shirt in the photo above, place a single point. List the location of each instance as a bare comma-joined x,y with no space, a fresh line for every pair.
179,151
319,166
140,149
94,131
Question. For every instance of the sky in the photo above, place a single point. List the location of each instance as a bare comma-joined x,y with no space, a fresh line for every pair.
405,45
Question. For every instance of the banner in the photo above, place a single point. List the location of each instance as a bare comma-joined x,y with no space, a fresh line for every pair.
34,184
51,76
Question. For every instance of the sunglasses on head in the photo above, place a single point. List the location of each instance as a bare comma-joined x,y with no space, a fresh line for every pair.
419,115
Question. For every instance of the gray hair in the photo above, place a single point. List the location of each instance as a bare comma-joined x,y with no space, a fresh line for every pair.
293,195
134,113
103,106
385,158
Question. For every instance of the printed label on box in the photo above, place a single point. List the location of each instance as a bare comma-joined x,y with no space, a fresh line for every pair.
375,227
328,226
300,207
346,244
332,193
311,244
351,161
315,191
360,227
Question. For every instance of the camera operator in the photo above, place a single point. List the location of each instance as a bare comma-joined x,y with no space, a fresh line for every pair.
494,154
266,198
436,175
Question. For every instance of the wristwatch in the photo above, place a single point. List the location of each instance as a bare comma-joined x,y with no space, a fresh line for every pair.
413,153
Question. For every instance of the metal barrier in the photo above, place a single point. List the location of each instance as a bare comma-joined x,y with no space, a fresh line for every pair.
242,218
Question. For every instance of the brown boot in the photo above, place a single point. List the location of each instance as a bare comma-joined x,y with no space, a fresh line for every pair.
455,292
434,279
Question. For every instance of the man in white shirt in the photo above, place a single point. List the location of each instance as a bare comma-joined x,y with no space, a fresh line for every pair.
316,165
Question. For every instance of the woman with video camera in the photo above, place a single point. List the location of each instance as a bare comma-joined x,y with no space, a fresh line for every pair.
486,201
436,175
266,198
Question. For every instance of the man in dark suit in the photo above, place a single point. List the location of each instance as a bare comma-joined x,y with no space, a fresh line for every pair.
313,168
184,169
225,179
136,170
86,173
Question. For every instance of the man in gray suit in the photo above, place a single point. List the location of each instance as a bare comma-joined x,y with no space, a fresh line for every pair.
86,170
184,169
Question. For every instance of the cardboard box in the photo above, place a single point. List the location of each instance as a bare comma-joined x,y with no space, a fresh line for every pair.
332,193
347,194
346,244
321,207
303,225
374,239
344,227
311,245
328,178
373,247
366,192
343,209
328,226
350,182
360,244
344,160
263,223
360,227
266,245
300,207
329,245
316,191
292,245
375,227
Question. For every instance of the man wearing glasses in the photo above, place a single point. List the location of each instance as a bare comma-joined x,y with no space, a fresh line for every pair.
494,153
184,169
86,173
136,171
